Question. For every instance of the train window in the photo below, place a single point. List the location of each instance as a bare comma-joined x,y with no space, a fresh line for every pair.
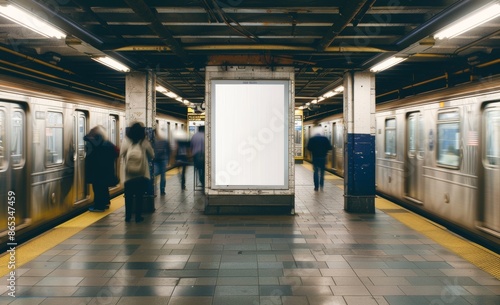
390,137
2,138
112,129
415,135
412,134
54,138
492,141
17,138
421,132
448,143
339,136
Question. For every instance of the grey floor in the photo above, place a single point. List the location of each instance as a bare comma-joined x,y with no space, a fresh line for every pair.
322,255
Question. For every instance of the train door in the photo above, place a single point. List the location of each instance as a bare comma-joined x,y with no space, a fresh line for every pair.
327,132
414,157
13,169
338,148
491,168
79,131
307,136
114,138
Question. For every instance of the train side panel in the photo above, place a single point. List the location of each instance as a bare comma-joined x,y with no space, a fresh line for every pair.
439,153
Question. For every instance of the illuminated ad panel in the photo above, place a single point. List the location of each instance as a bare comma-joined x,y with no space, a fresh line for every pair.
249,134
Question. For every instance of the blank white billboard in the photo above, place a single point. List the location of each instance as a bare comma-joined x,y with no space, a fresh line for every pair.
249,134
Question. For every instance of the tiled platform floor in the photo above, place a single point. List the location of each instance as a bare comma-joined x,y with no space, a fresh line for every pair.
322,255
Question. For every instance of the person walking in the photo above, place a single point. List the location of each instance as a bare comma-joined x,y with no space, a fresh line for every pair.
319,146
198,152
136,151
100,166
162,156
182,153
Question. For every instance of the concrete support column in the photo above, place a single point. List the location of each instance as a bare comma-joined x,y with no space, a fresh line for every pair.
140,100
359,155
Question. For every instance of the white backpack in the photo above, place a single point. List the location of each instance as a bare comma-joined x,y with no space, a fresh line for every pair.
135,164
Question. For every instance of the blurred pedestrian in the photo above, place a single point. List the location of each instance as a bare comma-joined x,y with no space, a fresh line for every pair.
162,156
100,166
319,146
198,152
136,151
182,153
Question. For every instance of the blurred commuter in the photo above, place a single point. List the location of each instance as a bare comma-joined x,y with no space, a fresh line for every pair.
182,153
100,166
136,151
198,152
162,156
319,146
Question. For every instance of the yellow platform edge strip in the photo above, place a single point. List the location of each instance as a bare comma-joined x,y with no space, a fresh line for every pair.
38,245
481,257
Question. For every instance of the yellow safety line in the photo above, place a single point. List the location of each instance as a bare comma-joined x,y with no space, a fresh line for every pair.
481,257
35,247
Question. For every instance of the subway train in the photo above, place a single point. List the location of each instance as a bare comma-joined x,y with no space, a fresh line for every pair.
437,154
42,154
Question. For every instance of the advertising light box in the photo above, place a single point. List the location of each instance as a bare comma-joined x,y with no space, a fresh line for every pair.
249,134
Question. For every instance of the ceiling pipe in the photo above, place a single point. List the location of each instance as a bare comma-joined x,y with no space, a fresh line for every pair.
271,47
144,11
352,9
71,27
61,81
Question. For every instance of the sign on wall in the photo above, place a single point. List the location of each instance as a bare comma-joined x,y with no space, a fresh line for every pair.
249,134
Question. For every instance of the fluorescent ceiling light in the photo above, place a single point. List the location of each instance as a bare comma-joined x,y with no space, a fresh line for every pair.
30,21
387,64
329,94
339,89
469,22
171,94
112,63
161,89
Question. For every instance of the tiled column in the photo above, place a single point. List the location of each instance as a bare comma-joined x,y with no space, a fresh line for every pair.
140,99
359,155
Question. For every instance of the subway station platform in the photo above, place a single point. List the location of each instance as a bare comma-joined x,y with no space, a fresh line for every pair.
322,255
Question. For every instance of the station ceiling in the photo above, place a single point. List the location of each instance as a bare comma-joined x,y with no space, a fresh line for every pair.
321,39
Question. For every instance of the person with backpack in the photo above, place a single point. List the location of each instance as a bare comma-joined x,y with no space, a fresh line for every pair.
136,151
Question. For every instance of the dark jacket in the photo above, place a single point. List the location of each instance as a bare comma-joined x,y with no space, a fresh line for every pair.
162,149
319,146
100,160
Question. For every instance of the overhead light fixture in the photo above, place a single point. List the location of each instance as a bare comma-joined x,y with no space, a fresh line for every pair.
112,63
161,89
339,89
329,94
387,64
172,94
469,22
30,21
